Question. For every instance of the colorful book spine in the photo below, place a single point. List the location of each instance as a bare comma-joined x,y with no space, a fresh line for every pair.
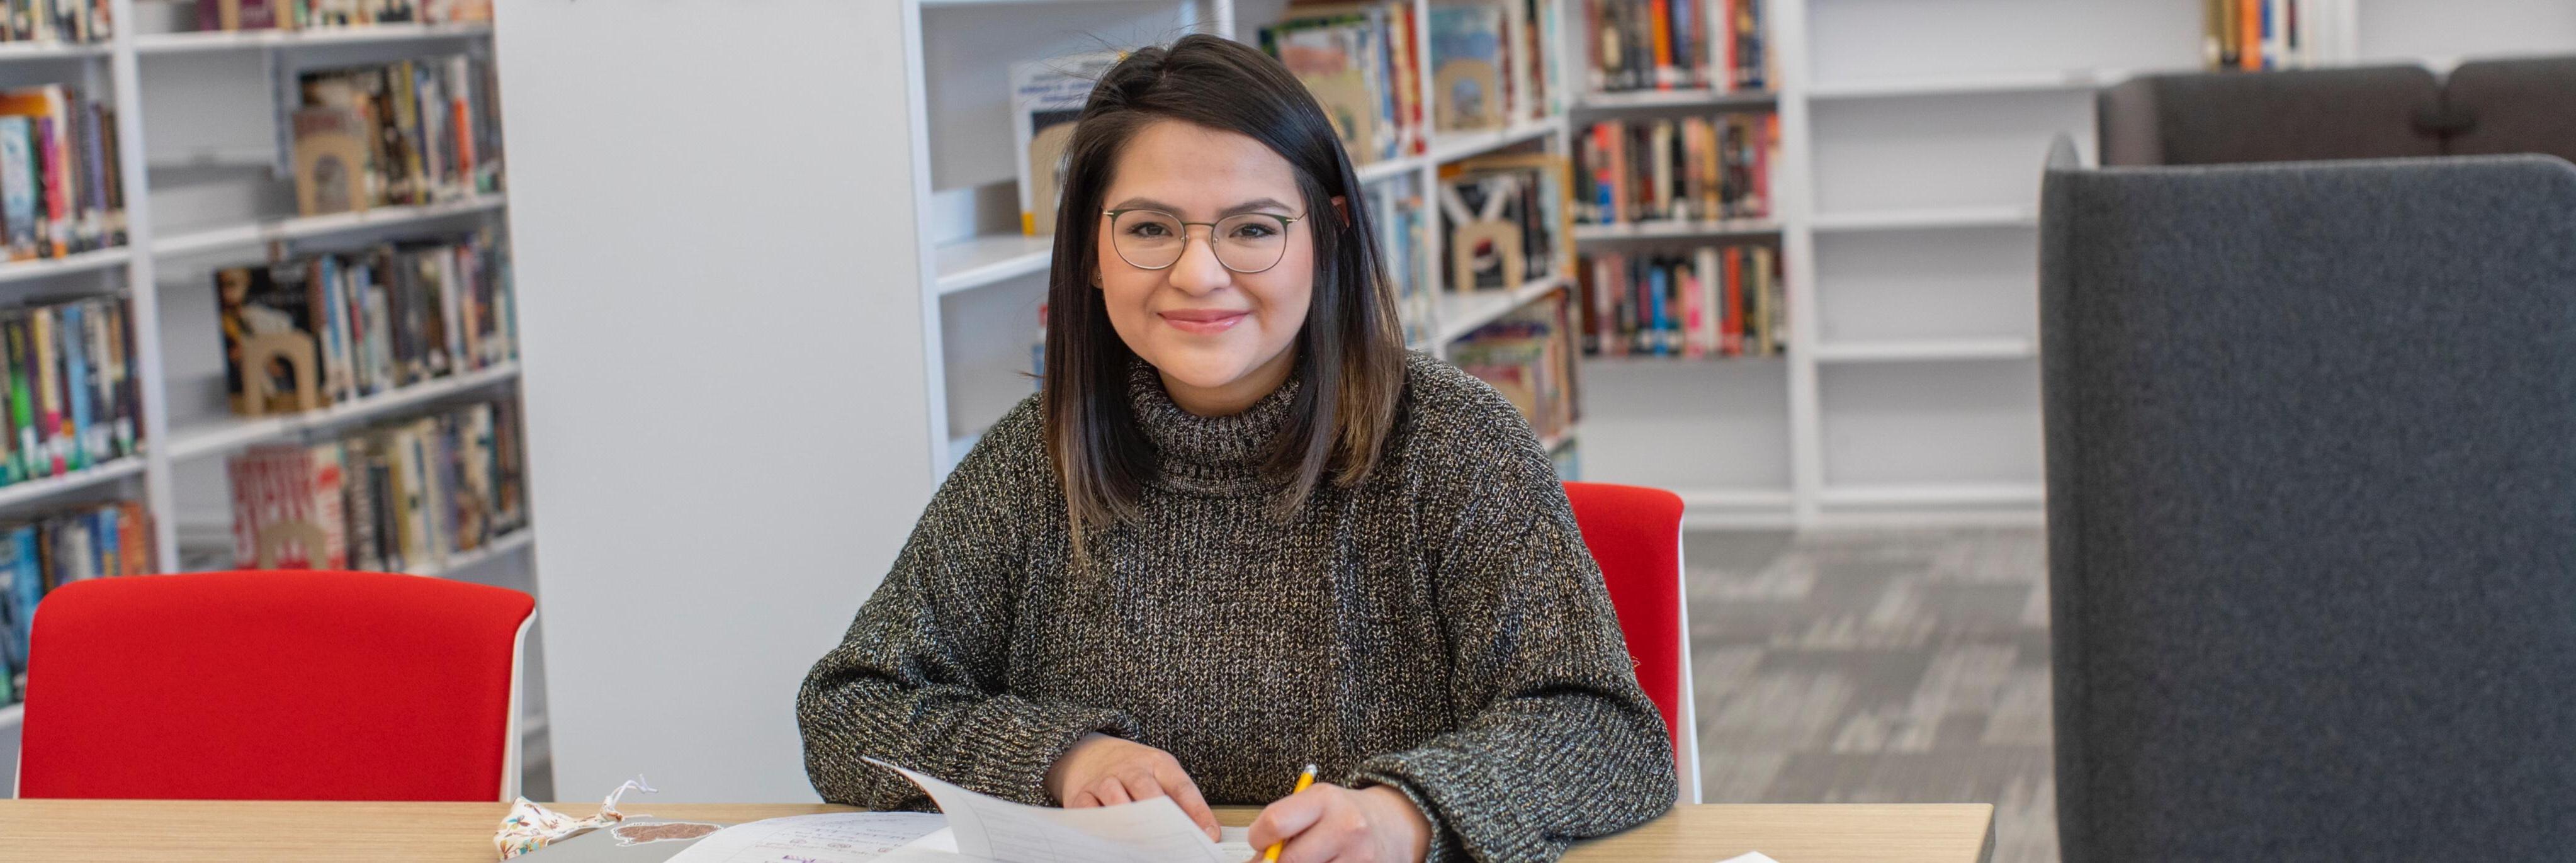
76,385
49,399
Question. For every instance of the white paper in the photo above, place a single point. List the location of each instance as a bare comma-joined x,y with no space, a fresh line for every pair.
1754,857
841,837
1235,846
1005,832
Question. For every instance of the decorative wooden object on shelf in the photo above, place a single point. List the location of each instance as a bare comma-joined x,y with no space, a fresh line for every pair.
1458,79
261,350
274,537
1463,242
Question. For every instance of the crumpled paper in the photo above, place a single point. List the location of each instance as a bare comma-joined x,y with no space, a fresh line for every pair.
529,826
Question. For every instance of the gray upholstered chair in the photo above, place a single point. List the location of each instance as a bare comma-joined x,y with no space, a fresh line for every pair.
2311,452
2215,118
2513,106
2230,117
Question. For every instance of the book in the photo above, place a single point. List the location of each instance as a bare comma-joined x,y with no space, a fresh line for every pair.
1345,61
1711,301
377,319
1046,98
1467,67
408,132
42,551
1527,356
402,495
1688,169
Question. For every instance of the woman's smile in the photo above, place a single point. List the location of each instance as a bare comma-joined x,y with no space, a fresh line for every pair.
1205,322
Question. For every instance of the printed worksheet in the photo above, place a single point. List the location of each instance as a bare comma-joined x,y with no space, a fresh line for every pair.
999,830
1235,846
844,837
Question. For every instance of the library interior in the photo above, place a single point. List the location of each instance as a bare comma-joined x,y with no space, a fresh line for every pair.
1972,431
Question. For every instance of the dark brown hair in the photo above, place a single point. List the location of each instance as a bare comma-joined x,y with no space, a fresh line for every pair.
1350,350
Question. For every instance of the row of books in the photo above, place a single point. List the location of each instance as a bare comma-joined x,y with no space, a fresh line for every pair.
1505,220
402,133
2253,35
62,186
375,320
396,497
1676,44
1528,357
1663,169
74,21
1361,66
1714,301
1395,210
309,14
39,555
1491,63
72,394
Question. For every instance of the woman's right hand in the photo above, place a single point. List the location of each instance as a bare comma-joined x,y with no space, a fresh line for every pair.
1101,770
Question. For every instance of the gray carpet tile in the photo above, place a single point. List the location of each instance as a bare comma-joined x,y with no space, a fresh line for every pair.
1877,667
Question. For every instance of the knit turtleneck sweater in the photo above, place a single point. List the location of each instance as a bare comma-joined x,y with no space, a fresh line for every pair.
1438,628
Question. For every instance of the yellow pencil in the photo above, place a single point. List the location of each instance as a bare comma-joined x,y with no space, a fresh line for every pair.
1303,779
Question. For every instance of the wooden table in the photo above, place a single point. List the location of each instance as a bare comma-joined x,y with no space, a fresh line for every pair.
154,831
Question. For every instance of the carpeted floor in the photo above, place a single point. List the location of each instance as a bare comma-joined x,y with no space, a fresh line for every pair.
1877,667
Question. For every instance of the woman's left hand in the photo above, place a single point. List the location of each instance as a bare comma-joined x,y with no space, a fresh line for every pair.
1328,823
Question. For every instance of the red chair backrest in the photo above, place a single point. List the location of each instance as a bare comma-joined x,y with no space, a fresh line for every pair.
271,686
1635,534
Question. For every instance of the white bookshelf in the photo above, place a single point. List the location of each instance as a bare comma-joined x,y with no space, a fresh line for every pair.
198,136
1906,202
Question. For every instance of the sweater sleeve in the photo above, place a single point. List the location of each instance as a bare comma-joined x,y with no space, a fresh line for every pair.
1557,742
919,678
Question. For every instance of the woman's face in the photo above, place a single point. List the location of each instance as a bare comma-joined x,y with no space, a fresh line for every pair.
1221,339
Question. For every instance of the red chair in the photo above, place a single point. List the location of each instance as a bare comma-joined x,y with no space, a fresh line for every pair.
1635,534
291,685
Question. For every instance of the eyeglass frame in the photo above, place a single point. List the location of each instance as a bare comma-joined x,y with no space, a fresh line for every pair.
1284,222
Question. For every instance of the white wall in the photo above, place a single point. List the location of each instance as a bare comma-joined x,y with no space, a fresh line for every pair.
724,371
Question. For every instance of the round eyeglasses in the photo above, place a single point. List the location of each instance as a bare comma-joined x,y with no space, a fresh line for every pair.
1153,239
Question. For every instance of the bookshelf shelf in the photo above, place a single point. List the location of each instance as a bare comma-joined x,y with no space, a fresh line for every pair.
1996,82
1935,494
506,544
22,51
1675,360
1384,169
308,227
212,557
1461,313
101,259
1929,350
1687,98
1454,146
2008,216
990,258
33,490
232,433
1675,230
178,43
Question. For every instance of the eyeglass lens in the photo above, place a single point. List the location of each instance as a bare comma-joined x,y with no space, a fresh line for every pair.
1152,239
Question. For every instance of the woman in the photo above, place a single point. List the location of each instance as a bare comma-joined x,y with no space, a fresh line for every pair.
1240,530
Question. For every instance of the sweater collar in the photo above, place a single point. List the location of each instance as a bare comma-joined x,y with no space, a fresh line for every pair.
1221,453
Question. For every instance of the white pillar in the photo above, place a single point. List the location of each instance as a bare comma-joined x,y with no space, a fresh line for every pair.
721,312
